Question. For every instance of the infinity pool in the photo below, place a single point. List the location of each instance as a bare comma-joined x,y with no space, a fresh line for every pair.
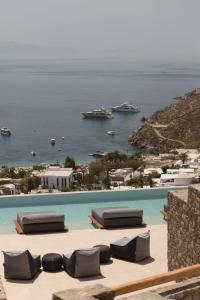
77,206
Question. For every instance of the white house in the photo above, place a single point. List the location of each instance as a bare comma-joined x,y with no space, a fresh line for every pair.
177,179
120,175
57,178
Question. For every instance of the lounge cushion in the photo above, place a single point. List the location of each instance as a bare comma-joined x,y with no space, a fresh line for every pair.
132,249
82,263
40,217
98,212
122,213
87,262
21,265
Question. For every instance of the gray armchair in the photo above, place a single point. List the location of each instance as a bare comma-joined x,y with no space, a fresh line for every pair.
82,263
21,265
135,249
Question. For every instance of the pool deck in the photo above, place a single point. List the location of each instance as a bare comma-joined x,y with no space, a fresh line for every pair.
117,272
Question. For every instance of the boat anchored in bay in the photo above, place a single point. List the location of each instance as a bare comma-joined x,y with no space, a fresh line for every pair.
125,108
111,132
5,131
100,113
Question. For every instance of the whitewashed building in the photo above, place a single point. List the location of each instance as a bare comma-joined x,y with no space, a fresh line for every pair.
57,178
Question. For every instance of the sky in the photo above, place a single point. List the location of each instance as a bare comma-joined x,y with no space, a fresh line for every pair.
149,30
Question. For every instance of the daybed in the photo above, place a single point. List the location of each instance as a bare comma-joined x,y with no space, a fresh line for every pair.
39,222
117,217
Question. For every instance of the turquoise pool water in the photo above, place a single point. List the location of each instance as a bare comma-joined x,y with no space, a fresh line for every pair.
77,206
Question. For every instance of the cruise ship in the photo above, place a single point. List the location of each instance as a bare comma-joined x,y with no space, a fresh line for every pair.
125,107
100,113
5,131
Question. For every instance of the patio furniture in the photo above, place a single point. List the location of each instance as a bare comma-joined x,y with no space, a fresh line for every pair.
135,249
21,265
114,217
82,263
105,253
52,262
39,222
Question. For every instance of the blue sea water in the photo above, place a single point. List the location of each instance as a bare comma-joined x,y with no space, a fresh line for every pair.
42,99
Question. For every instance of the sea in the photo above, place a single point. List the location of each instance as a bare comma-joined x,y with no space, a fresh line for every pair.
42,99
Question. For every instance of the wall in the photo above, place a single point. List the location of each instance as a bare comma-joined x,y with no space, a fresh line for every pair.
184,227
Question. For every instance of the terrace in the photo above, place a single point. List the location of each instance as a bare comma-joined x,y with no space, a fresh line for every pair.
115,273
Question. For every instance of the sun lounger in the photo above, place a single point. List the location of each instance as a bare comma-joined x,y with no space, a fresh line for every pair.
21,265
135,249
114,217
82,263
39,222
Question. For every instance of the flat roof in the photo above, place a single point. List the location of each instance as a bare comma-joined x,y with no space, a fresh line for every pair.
57,173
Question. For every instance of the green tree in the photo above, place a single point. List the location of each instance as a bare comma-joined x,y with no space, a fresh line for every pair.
106,182
69,162
28,183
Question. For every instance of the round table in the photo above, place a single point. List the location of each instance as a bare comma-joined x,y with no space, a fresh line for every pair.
105,253
52,262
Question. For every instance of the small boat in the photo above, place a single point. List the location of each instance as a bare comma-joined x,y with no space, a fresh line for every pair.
111,132
5,131
100,113
52,141
98,154
63,137
59,149
33,153
125,108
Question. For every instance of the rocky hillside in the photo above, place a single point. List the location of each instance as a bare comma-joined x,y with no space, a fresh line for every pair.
176,126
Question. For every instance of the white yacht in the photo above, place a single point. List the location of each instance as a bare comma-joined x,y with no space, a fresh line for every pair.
125,107
5,131
100,113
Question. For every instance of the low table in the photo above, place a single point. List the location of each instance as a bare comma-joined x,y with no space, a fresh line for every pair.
52,262
105,253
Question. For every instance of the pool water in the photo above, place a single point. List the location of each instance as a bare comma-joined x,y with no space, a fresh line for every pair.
77,206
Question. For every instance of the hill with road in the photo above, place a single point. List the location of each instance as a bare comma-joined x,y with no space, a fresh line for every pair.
175,126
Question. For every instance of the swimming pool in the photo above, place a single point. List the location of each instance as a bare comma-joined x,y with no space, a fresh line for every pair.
77,206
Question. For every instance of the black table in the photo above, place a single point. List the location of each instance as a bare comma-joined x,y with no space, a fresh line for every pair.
105,253
52,262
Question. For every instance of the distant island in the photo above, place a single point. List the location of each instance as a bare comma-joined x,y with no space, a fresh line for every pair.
176,126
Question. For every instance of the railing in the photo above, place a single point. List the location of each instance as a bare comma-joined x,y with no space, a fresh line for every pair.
147,282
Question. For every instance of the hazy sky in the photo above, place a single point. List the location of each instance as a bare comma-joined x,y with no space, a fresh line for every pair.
165,30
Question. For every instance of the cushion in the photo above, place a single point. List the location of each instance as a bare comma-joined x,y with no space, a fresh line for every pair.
16,265
87,262
40,217
98,212
122,242
122,213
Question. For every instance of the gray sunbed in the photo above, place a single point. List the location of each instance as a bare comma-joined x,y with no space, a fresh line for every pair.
117,217
38,222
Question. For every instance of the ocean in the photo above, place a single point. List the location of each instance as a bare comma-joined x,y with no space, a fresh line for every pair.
43,99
